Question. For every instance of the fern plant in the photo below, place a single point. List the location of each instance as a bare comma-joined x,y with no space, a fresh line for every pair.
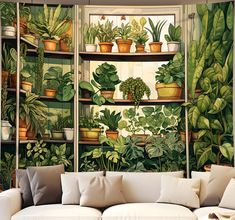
156,29
110,119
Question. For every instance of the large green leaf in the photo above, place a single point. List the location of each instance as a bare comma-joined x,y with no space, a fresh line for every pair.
218,106
227,151
191,63
203,103
154,150
87,86
193,115
218,25
99,100
204,157
215,124
220,55
203,123
201,9
229,18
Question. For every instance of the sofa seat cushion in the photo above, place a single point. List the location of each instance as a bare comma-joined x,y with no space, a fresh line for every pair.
57,212
148,211
202,213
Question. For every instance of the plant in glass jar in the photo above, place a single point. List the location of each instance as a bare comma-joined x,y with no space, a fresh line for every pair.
139,34
134,89
106,35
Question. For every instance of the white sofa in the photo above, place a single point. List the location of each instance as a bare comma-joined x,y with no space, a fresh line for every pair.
141,191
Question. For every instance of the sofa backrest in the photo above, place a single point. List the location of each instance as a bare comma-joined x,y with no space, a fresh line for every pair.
142,186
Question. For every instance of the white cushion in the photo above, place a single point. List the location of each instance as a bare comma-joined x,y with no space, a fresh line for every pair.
228,196
70,186
148,211
142,187
57,212
202,213
180,191
204,178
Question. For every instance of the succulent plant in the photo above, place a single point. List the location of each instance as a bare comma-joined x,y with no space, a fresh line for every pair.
136,88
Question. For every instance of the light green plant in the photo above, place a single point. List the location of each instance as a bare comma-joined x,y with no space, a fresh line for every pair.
124,32
174,33
107,33
139,34
90,33
156,29
8,13
90,120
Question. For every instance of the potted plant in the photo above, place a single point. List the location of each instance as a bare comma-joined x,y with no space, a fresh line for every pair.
32,114
105,79
6,63
134,89
134,124
68,128
26,83
89,35
6,127
182,128
170,78
66,43
155,31
124,42
50,88
63,82
8,14
106,35
51,25
110,119
139,34
89,127
57,128
173,38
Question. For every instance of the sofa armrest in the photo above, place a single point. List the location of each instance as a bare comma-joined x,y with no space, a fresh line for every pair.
10,203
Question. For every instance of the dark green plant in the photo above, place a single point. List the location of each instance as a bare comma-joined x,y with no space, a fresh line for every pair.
166,152
4,94
39,70
124,32
171,72
105,77
211,66
110,119
49,23
174,33
65,91
50,84
139,34
156,29
136,88
90,33
162,119
68,122
134,121
59,124
8,13
7,167
90,120
6,58
68,41
25,73
106,32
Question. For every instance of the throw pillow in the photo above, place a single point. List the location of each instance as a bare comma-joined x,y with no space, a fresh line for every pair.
45,184
100,192
70,186
23,180
219,179
228,199
180,191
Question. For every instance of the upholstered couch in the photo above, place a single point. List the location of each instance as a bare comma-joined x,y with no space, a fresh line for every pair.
141,191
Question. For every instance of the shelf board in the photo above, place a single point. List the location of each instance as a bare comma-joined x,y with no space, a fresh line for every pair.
88,101
54,54
8,142
47,141
127,57
97,143
8,38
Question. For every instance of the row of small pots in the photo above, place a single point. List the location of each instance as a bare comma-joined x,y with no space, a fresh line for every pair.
124,46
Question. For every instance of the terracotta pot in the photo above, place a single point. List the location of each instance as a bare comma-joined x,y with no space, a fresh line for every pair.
13,80
26,86
140,48
87,134
112,134
194,135
31,135
50,92
22,123
124,46
22,133
173,46
5,75
183,136
85,93
107,94
168,91
129,96
105,47
155,47
50,44
63,46
198,92
69,32
143,137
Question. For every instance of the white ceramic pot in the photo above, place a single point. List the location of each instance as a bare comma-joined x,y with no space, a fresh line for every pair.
173,46
91,47
9,31
6,130
69,133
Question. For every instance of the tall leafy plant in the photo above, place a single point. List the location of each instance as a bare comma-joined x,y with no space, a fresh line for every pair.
210,67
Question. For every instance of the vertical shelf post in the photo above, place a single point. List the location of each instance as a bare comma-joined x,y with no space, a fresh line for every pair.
233,87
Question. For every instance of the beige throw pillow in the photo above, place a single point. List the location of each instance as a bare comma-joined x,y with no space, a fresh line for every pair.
101,192
180,191
219,179
228,196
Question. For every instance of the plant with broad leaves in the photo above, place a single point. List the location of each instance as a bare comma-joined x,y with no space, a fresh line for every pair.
174,33
90,120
